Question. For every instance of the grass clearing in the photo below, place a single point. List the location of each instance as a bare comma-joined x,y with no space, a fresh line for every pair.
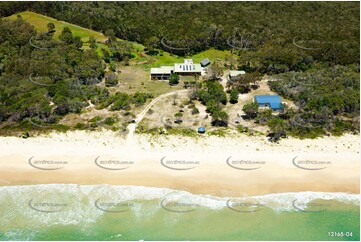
166,59
211,54
136,79
40,23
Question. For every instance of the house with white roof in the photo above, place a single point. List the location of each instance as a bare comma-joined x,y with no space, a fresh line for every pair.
187,68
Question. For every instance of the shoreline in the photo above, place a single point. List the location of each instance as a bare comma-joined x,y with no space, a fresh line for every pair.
213,174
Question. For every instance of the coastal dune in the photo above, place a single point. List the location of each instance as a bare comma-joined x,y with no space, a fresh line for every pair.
236,165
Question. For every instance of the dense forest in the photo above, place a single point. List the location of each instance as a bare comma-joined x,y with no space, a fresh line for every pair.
309,50
264,34
327,101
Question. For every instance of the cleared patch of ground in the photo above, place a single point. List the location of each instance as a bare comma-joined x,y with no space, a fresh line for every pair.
235,110
163,113
134,79
165,58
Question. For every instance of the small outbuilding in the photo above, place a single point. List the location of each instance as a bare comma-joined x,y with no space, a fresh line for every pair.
201,130
233,75
205,62
269,101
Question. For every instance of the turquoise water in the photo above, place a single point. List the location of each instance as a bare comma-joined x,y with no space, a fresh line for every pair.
102,212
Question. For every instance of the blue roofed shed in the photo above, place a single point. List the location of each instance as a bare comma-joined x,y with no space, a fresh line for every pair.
269,101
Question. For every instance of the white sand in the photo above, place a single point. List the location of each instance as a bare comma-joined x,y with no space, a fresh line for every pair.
211,176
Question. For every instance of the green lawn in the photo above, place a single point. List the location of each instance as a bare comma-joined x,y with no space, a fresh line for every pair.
137,79
211,54
166,59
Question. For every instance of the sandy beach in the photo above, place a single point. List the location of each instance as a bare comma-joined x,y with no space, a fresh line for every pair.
236,165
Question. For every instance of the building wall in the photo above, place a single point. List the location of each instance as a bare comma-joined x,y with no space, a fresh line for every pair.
160,76
263,105
188,73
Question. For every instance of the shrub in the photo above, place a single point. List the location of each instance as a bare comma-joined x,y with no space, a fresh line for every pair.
173,79
109,121
195,111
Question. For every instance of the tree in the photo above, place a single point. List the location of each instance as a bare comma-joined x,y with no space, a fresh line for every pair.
77,42
195,111
278,128
243,81
111,79
173,79
215,71
219,118
264,116
106,55
212,106
251,110
214,91
110,34
139,98
178,117
92,43
233,97
66,36
51,28
152,43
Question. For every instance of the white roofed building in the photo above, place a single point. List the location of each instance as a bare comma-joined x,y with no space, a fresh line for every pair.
161,73
188,68
233,75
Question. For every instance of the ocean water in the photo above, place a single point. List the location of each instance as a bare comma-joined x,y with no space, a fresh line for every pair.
104,212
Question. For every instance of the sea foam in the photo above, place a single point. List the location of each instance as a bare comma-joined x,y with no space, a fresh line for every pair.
79,201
